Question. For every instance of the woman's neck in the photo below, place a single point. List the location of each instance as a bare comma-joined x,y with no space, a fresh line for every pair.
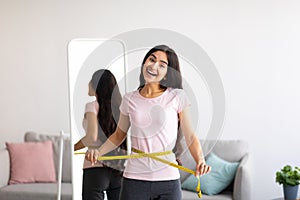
151,90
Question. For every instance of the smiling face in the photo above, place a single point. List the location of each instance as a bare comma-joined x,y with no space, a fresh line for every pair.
161,65
155,67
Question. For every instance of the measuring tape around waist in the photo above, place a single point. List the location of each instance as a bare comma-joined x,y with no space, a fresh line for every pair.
138,155
141,154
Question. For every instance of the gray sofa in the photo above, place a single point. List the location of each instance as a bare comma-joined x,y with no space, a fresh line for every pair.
229,150
45,191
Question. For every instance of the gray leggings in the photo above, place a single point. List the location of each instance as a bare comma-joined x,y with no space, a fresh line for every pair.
150,190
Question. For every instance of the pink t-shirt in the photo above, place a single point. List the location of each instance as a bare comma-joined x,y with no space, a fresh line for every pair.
154,123
92,107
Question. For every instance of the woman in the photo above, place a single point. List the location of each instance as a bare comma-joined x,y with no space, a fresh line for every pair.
99,123
152,111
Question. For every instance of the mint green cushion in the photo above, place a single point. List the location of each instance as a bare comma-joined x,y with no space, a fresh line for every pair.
220,177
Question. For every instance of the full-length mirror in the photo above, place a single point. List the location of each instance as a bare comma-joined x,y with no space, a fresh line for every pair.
85,57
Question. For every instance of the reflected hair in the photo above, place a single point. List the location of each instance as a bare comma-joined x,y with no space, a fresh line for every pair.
109,99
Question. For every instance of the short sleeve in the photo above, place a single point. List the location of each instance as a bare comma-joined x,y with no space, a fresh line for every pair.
124,107
183,100
92,107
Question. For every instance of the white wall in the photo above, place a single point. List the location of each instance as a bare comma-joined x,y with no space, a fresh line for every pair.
254,45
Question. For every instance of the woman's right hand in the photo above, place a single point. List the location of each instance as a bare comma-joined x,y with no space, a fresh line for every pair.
92,155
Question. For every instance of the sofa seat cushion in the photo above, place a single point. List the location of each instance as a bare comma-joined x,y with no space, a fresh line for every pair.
35,191
188,195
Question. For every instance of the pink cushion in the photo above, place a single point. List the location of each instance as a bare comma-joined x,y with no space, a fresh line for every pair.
31,162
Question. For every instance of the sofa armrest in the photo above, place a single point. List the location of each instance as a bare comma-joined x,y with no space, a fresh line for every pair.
241,187
4,166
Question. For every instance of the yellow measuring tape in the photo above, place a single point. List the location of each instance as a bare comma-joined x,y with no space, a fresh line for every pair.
141,154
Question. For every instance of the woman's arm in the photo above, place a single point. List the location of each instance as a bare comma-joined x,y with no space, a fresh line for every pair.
79,145
193,143
91,133
112,142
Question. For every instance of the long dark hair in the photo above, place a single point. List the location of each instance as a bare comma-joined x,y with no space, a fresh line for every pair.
173,77
109,99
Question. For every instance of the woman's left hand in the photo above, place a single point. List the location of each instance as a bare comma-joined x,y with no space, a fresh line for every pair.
202,168
92,155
